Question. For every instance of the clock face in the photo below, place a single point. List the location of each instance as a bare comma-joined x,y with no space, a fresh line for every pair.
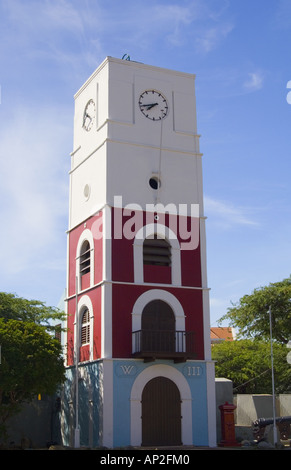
89,115
153,105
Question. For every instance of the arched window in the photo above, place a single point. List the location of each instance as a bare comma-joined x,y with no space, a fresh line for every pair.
157,255
85,260
158,327
156,251
85,255
85,327
157,315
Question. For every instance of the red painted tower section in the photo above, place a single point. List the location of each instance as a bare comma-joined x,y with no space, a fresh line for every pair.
124,289
85,283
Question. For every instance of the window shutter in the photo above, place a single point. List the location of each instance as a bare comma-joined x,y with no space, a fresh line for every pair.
156,251
85,329
85,258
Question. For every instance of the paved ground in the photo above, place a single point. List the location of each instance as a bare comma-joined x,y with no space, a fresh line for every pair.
177,449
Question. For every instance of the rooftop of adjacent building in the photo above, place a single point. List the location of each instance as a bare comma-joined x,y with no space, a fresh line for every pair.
219,334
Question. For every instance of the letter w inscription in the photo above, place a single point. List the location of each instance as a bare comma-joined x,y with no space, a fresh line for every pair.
127,369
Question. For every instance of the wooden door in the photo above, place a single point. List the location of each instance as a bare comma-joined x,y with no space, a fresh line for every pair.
161,413
158,327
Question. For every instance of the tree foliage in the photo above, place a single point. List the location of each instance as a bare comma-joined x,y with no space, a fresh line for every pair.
247,363
13,307
31,358
250,315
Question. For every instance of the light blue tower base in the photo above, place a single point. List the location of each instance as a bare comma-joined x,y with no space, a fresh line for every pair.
109,401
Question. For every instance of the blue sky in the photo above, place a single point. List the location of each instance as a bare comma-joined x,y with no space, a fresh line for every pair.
240,51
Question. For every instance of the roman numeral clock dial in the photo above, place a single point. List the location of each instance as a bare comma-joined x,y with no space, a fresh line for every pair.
153,105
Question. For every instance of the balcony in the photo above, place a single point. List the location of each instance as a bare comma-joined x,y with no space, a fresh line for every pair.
160,344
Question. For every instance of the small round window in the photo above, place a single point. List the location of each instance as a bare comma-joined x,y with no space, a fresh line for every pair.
154,182
87,191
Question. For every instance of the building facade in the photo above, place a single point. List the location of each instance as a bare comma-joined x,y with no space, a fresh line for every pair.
138,336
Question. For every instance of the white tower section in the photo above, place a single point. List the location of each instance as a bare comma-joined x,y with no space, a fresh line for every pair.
117,149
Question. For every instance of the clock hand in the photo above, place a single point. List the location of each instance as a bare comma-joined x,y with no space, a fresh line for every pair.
150,105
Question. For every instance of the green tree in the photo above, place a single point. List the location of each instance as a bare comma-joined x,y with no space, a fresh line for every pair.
13,307
31,358
248,364
250,315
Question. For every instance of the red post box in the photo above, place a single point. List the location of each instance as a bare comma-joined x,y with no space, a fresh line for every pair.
227,425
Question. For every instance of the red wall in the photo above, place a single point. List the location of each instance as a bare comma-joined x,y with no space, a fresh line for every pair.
122,252
95,297
157,274
74,237
123,300
125,295
93,293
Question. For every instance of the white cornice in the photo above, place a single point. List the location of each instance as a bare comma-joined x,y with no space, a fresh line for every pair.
131,63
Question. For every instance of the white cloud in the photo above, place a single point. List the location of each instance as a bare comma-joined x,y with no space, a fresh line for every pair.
173,19
63,15
66,33
36,17
226,215
211,38
48,33
33,167
282,16
254,82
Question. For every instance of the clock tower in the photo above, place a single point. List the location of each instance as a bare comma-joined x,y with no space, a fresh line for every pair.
139,369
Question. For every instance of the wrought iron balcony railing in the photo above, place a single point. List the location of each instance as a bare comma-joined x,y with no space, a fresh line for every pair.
163,344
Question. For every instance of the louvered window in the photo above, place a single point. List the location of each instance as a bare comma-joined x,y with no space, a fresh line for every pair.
156,251
85,327
85,258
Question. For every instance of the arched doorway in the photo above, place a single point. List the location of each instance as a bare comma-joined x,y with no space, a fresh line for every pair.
161,413
158,327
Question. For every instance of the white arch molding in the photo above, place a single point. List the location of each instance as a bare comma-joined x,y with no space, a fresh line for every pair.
169,372
85,235
163,232
84,302
156,294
